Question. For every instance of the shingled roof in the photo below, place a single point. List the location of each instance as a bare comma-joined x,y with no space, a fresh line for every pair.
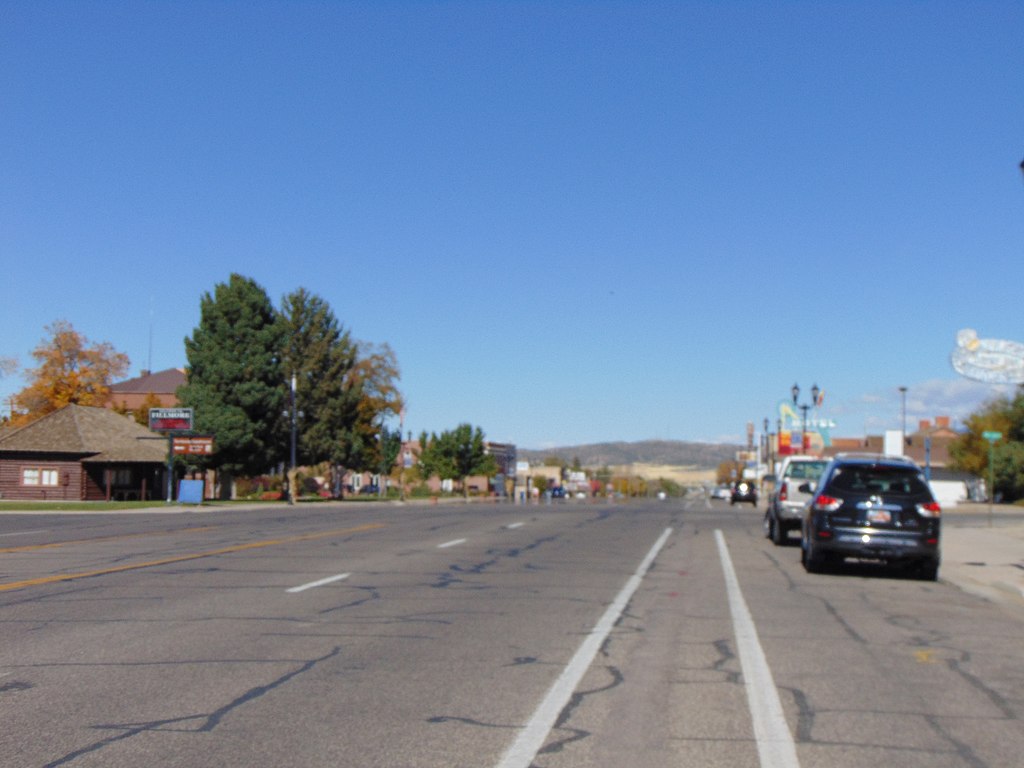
96,434
161,382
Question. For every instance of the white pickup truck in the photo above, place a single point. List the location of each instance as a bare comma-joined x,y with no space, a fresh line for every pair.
786,505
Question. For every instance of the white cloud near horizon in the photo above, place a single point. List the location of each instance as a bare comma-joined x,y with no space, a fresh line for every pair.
874,412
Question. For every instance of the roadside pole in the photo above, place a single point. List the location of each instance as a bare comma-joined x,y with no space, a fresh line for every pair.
170,468
992,437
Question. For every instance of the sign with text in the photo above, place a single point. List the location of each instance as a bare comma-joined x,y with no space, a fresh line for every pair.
190,445
170,419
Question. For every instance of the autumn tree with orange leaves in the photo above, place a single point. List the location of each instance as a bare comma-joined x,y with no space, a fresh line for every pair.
71,370
376,373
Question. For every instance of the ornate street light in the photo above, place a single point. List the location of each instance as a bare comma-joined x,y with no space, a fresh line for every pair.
795,391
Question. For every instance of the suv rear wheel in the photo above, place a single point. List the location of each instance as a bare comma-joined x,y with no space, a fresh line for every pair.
927,570
814,562
780,534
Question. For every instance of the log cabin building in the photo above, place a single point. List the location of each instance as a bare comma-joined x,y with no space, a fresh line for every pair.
81,453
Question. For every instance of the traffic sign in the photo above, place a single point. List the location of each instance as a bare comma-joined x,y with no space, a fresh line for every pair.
992,436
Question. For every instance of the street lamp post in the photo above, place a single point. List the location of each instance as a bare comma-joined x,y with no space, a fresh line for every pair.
767,446
795,391
295,429
903,420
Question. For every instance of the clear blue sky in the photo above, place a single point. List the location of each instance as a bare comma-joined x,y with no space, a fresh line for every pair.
573,222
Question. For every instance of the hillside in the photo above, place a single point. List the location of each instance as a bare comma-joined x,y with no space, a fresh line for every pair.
675,453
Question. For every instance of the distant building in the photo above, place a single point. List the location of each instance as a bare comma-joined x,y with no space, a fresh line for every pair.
929,445
148,390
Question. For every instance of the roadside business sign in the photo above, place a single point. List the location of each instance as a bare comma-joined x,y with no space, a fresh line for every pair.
193,445
170,419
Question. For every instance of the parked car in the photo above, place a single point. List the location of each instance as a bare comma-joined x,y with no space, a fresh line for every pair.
873,507
786,504
558,492
744,490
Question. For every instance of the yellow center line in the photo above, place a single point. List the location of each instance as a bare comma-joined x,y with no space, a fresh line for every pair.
55,544
182,558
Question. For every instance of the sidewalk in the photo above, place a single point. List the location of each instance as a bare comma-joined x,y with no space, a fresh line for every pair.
984,554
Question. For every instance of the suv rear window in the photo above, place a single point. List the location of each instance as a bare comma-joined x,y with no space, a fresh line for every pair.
896,481
805,470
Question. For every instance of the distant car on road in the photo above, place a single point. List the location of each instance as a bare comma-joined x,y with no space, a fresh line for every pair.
786,505
744,490
872,507
721,492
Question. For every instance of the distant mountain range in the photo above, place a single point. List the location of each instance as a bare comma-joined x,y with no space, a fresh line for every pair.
664,452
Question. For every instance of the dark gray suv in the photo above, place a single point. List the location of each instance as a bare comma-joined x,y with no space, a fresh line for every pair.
873,507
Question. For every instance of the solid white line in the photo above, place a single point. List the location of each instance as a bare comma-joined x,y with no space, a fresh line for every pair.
531,738
454,543
775,745
320,583
23,533
513,526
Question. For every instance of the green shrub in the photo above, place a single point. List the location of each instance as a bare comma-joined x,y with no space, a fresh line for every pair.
421,491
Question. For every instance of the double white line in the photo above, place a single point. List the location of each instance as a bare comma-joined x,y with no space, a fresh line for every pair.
775,745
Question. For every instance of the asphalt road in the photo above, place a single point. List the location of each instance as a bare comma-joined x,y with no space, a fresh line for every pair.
642,635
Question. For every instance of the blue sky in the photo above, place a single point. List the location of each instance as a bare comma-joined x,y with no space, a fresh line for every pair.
573,222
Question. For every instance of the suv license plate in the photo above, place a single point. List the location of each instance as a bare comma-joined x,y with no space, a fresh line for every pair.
879,516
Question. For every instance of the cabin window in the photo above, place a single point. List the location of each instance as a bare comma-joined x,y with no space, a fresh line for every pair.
39,476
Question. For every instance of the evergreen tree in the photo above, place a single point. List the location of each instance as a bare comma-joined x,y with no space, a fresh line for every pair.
235,380
322,357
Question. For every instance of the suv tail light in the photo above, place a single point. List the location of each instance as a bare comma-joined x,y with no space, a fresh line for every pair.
784,492
931,509
825,503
